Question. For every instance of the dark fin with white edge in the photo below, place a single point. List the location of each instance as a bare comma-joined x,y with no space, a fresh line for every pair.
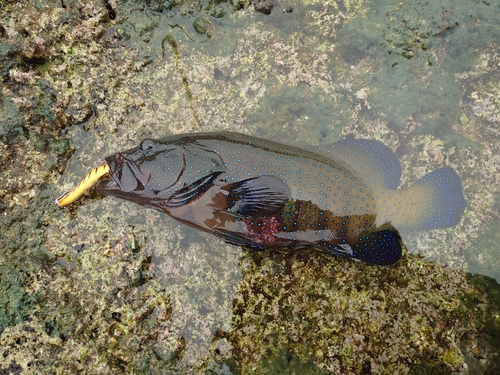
257,197
191,192
437,199
382,248
370,160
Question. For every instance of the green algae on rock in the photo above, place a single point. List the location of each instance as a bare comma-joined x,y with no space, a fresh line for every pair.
353,328
12,122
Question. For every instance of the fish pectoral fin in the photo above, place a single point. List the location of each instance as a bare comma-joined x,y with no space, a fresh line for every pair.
257,197
381,248
191,192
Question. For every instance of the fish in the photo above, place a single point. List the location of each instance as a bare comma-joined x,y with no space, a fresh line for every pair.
342,199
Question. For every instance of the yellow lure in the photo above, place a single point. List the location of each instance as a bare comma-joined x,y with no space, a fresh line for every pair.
87,182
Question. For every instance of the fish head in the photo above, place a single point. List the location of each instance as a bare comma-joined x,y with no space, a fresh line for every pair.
158,169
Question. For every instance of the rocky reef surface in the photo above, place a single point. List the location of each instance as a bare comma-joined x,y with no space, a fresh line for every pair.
106,287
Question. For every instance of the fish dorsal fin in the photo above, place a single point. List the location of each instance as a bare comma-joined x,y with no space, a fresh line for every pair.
370,160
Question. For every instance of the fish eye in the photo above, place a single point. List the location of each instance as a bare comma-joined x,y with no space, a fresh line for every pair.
147,145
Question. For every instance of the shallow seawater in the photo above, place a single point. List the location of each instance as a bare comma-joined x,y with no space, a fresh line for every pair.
132,291
414,75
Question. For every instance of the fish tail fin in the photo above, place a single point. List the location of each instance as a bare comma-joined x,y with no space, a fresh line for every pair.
434,201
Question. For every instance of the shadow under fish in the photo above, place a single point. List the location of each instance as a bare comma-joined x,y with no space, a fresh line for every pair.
252,192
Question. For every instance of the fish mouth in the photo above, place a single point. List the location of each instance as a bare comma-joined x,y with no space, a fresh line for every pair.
124,176
106,184
109,185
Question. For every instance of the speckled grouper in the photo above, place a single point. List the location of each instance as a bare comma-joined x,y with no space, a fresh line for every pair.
342,199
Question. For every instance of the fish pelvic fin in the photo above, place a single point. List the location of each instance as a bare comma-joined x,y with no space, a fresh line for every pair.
432,202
